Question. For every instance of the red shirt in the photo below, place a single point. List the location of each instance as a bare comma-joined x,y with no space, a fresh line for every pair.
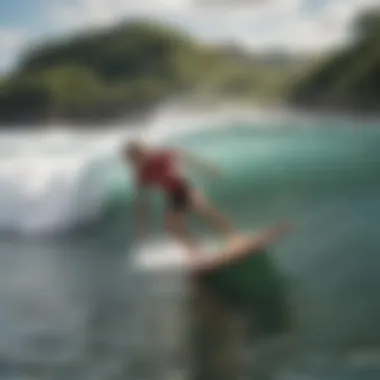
159,170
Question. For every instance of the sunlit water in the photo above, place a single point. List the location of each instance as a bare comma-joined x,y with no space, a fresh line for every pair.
71,305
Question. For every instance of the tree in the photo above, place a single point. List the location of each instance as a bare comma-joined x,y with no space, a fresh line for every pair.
367,25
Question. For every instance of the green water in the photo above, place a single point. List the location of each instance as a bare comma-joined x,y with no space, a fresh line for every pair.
323,177
326,182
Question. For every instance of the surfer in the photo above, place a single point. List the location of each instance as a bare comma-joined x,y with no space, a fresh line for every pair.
160,168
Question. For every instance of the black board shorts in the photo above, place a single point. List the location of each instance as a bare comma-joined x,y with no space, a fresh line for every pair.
179,199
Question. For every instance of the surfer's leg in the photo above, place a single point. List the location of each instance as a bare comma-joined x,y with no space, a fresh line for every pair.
257,241
203,207
175,225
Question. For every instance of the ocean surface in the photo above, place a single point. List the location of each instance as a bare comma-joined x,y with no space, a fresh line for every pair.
73,307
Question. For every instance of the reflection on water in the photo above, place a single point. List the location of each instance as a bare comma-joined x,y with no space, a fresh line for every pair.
56,299
74,308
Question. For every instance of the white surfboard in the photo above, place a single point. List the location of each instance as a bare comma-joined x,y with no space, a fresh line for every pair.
211,256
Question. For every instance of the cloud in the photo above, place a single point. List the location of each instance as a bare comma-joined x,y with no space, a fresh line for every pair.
259,24
292,26
210,19
88,13
103,12
11,43
11,39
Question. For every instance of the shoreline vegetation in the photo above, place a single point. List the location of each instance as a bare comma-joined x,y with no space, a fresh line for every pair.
129,70
348,80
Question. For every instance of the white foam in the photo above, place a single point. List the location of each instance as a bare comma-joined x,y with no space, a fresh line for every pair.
160,256
41,171
166,255
39,179
176,119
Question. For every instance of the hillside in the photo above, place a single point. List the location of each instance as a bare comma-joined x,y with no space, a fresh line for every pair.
350,79
122,71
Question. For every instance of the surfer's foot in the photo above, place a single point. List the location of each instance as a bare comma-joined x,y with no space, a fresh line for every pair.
236,236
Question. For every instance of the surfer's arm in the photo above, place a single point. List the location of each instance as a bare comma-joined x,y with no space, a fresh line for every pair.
239,247
195,160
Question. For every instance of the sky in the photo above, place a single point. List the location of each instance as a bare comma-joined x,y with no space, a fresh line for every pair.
299,26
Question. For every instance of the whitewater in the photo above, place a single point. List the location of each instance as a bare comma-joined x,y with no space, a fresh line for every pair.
71,304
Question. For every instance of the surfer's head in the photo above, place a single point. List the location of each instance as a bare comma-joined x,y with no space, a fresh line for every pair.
134,151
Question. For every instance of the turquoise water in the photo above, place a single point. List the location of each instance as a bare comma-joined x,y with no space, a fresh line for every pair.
326,182
62,295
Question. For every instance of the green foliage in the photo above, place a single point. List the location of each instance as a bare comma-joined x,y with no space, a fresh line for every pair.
350,79
24,95
108,74
367,24
126,52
